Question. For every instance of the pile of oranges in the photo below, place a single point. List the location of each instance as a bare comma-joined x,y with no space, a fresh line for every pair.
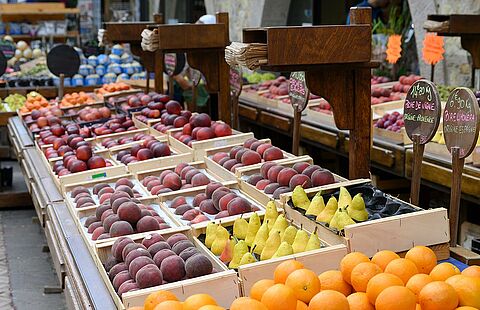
34,101
385,282
113,87
74,99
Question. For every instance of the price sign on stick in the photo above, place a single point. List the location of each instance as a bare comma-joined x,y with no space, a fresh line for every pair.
236,83
63,60
3,63
422,113
7,48
173,64
299,93
461,122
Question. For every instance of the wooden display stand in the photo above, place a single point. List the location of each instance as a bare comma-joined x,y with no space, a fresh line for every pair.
35,12
204,45
467,27
130,32
338,71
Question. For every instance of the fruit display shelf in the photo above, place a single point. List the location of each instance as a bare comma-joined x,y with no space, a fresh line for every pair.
167,155
386,230
319,259
213,157
259,192
201,204
222,284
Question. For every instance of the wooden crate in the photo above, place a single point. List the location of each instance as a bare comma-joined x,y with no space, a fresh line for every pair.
222,285
378,110
396,233
200,165
228,175
199,147
178,156
319,117
244,172
89,185
319,260
189,194
391,136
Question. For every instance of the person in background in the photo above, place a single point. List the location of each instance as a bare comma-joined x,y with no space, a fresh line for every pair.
183,85
378,9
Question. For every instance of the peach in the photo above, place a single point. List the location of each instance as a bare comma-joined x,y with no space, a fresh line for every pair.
198,199
198,265
172,181
121,228
238,205
152,239
77,166
205,133
126,189
310,169
254,146
179,167
217,156
187,253
211,188
109,220
300,167
300,179
264,169
272,153
119,245
200,120
180,210
96,162
91,228
284,176
223,202
173,239
154,248
207,206
222,130
121,277
234,150
282,189
97,232
161,149
130,247
130,212
322,177
254,179
161,255
133,254
262,184
185,170
127,286
199,218
249,142
273,173
181,245
190,214
190,174
147,223
148,276
117,269
173,268
250,158
230,163
200,179
178,201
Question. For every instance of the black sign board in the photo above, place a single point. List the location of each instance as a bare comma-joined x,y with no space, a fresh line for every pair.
173,63
63,59
7,48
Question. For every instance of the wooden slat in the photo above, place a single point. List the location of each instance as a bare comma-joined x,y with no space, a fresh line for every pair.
319,136
247,112
275,121
187,37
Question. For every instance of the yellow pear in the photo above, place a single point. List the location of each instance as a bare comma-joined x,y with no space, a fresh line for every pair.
240,228
280,225
357,209
271,246
210,234
289,234
253,226
238,251
283,250
327,213
344,199
316,206
247,258
341,219
300,242
313,242
438,135
300,198
221,239
261,238
271,214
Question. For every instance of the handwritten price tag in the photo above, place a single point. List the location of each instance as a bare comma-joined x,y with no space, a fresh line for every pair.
173,63
236,81
461,121
298,91
422,110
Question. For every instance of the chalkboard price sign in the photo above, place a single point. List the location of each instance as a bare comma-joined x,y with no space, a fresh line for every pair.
298,91
236,81
3,63
63,59
422,111
7,48
461,121
173,63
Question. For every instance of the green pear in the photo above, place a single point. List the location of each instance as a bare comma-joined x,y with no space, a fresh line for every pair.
280,225
253,226
283,250
316,206
313,242
221,239
300,198
300,242
271,213
289,234
340,219
238,251
357,210
210,234
261,238
271,246
327,213
240,228
344,198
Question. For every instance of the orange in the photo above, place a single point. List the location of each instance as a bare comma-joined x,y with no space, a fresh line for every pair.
304,283
196,301
418,307
466,308
362,273
403,268
438,295
301,305
284,269
382,258
472,271
333,280
359,301
467,288
396,298
443,271
424,258
211,307
279,297
155,298
257,290
329,300
380,282
417,282
349,262
169,305
247,303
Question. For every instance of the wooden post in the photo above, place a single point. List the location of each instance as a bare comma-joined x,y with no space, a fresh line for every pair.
159,72
171,86
456,193
61,87
432,73
418,149
297,120
224,106
147,87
